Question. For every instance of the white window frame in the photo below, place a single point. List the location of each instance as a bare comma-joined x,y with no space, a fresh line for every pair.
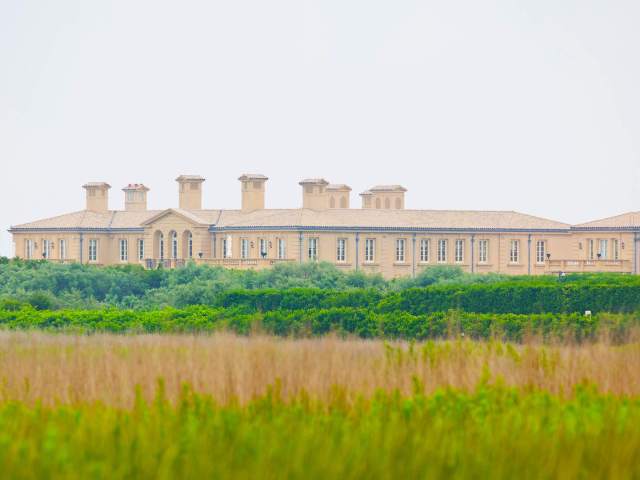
341,250
93,250
62,252
443,247
369,250
244,248
282,248
263,247
174,244
227,247
483,251
541,251
514,252
591,249
425,250
141,249
46,249
123,250
459,250
161,246
28,249
615,248
603,248
190,245
401,244
312,248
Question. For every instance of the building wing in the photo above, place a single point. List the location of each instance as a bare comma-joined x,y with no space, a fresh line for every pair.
386,219
629,220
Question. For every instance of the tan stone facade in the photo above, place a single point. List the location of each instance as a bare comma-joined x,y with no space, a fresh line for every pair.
381,237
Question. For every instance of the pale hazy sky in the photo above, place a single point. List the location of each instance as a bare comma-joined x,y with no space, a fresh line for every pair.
517,105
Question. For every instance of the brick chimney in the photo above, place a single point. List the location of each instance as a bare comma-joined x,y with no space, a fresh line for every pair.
135,197
97,196
314,194
386,197
253,187
338,195
190,192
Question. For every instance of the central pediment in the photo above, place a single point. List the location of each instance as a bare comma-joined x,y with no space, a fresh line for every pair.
183,215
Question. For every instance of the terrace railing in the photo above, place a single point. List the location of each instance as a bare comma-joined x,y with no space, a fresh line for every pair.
576,266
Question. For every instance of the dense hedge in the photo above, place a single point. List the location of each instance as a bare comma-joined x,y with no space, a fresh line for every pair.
512,297
438,288
516,297
357,321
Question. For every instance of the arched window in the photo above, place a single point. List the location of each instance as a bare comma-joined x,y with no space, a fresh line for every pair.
343,202
174,244
187,244
332,202
398,203
387,203
378,203
159,245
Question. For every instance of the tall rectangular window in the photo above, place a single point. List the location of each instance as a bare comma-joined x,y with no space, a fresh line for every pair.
140,249
93,250
590,249
603,248
62,253
174,245
425,246
541,247
124,250
282,248
459,251
46,249
615,246
483,251
313,248
227,251
400,250
341,250
442,251
244,248
263,250
370,250
28,249
514,251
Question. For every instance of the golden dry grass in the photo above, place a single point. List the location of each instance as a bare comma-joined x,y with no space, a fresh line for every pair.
66,369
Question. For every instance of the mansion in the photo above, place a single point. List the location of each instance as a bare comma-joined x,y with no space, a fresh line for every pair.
379,237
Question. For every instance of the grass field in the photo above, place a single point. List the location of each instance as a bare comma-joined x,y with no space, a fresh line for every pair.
221,406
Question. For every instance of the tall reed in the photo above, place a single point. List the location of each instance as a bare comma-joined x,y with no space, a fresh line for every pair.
56,368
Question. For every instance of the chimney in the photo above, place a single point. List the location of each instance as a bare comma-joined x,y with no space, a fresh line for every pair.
135,197
314,195
338,195
252,191
190,192
385,197
97,195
